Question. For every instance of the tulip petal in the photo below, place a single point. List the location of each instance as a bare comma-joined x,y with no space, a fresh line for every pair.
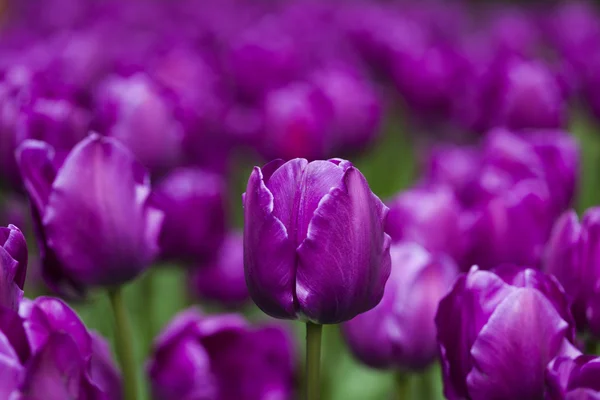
269,252
38,169
103,371
583,394
14,243
460,317
96,217
10,293
344,261
55,372
11,369
11,325
513,349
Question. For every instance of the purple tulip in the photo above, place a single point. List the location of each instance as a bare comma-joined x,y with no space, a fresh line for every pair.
297,123
574,378
222,279
87,237
194,206
430,216
400,331
58,122
530,97
498,331
327,258
49,354
13,266
357,111
572,256
133,111
199,356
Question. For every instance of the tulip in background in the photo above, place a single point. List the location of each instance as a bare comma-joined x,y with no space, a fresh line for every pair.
94,222
314,246
489,321
222,278
13,261
574,378
221,357
400,332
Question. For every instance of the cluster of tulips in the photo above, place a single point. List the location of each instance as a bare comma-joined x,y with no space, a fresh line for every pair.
125,126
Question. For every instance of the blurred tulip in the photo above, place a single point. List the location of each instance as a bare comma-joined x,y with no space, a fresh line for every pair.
429,216
400,331
58,122
499,330
87,237
574,378
49,354
200,356
357,111
297,123
13,265
222,278
530,98
327,257
194,206
133,111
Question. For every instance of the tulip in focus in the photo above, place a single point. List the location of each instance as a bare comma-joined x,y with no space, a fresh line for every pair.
314,241
498,331
222,278
94,220
400,331
194,206
221,357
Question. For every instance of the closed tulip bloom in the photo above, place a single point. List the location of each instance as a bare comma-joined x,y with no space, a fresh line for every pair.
221,357
499,330
400,331
87,237
53,356
194,206
357,110
530,97
13,266
327,258
133,111
429,216
297,123
574,378
222,278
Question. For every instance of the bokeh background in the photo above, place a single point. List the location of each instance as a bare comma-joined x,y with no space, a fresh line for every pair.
225,85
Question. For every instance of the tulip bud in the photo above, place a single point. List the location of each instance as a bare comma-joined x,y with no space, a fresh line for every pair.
327,258
87,237
13,265
574,378
194,206
222,278
200,356
429,216
400,331
498,331
133,111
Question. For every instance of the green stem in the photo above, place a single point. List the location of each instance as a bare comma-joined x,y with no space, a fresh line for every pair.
124,343
402,386
313,360
426,384
147,288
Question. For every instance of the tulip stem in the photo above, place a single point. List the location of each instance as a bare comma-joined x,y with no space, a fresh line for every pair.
402,386
124,343
313,360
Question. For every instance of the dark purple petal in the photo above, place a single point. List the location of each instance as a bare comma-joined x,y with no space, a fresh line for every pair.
11,326
524,323
344,261
269,252
10,367
97,221
38,170
10,293
103,372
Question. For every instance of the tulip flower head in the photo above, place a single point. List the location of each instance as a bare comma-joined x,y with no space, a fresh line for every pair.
314,241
